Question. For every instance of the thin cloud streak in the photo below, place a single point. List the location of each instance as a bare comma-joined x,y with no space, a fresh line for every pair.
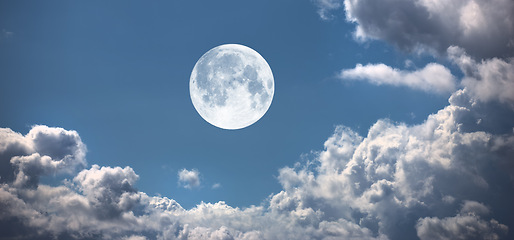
432,78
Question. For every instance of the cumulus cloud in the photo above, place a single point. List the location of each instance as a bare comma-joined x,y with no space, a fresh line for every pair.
189,179
110,190
446,177
396,174
432,78
484,28
43,151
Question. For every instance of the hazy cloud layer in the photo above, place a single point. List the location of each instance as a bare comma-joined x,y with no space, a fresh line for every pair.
4,34
483,28
432,78
449,176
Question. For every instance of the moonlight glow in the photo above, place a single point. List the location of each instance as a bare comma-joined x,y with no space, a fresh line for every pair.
231,86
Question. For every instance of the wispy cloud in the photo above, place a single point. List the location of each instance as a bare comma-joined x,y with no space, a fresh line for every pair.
6,34
327,7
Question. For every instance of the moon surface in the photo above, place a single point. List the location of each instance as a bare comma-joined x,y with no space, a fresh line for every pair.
231,86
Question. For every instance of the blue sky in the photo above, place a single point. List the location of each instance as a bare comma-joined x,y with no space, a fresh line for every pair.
117,72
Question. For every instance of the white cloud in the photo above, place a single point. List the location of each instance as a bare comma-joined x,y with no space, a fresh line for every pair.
216,185
432,78
487,80
189,179
484,28
491,79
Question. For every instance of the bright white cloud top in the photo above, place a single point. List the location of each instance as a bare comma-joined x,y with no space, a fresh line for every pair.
231,86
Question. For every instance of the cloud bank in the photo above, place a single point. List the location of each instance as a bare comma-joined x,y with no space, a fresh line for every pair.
444,178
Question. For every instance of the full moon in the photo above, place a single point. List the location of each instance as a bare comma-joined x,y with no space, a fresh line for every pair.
231,86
